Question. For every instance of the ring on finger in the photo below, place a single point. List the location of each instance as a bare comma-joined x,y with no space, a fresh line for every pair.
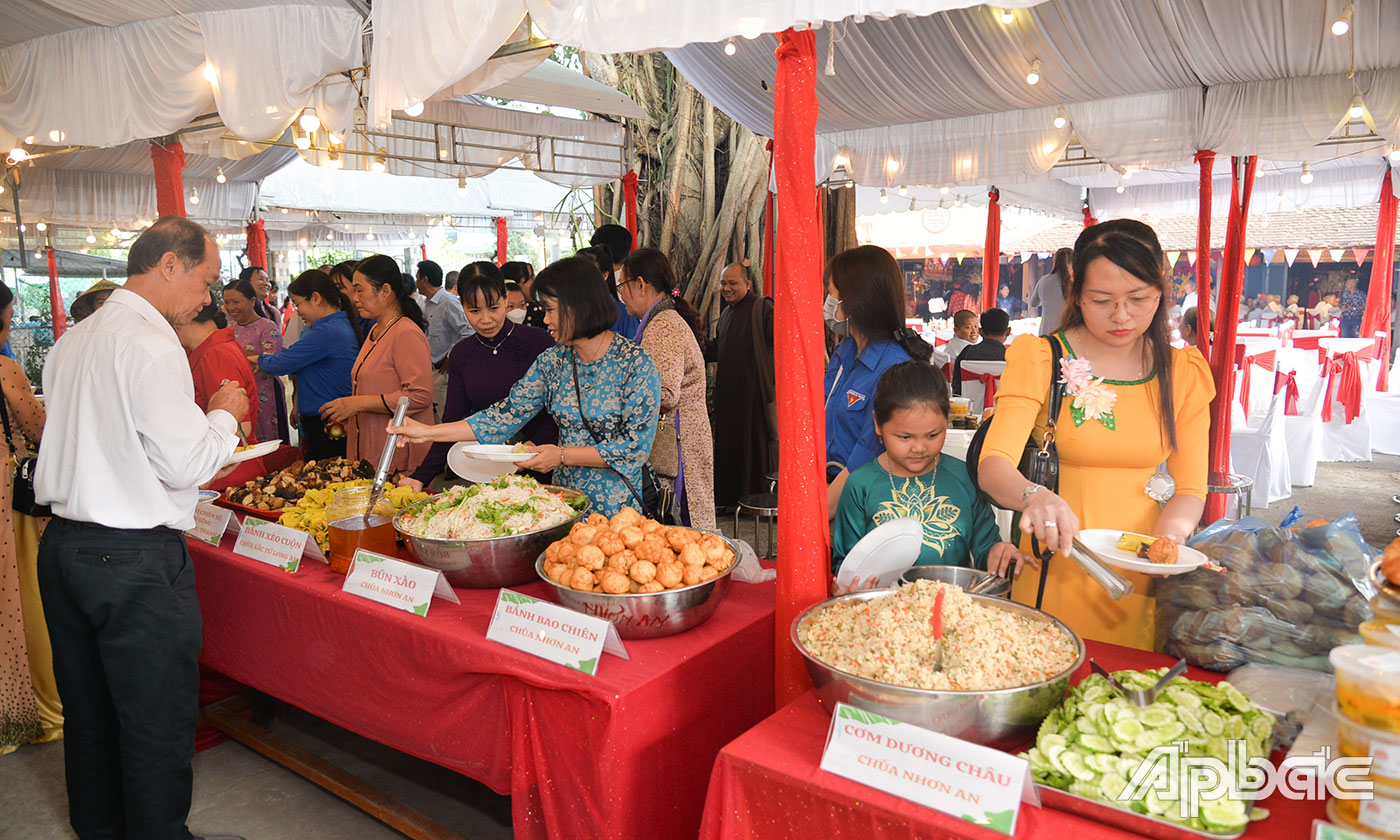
1052,524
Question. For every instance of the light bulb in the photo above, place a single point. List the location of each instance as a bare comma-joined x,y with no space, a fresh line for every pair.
1119,189
18,154
147,223
41,226
1395,155
23,228
116,231
302,242
1307,176
1342,25
1033,77
309,122
38,255
209,73
378,164
892,165
335,138
329,235
442,154
91,237
730,47
903,189
56,136
911,204
850,185
943,190
333,161
1060,119
194,195
884,199
1126,173
301,139
413,109
462,183
1008,17
220,176
370,236
1357,107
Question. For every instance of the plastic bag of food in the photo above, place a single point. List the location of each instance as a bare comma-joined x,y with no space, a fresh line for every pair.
1287,596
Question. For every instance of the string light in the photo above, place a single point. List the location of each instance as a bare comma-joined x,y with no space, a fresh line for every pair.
1342,25
369,236
302,242
462,183
41,226
116,231
56,136
194,195
1119,189
1357,109
309,122
23,228
1033,77
220,176
884,198
335,138
413,109
1060,119
284,210
943,190
730,47
1395,155
1307,176
378,164
903,189
1126,173
333,161
329,236
146,223
911,204
91,237
18,155
301,139
1008,17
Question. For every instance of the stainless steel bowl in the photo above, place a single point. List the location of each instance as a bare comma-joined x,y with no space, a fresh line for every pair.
488,563
649,615
956,575
1003,718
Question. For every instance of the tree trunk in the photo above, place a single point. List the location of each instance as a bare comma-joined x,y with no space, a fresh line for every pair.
707,152
680,154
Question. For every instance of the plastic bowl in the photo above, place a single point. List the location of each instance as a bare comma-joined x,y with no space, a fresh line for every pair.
1368,685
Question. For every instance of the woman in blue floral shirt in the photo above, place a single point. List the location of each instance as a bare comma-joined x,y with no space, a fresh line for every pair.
601,452
1353,308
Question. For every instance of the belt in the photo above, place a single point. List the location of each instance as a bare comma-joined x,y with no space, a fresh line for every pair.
159,529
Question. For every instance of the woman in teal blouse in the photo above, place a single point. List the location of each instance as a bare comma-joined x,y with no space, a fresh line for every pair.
602,448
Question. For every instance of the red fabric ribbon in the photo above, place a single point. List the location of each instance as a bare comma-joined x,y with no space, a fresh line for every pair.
991,251
629,203
989,384
169,164
500,240
257,244
1089,220
1263,360
1376,318
1343,372
60,322
1287,380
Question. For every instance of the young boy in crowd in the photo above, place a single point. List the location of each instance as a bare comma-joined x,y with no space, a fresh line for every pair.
964,332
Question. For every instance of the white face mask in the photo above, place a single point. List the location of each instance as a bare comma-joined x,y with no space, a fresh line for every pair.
829,308
516,315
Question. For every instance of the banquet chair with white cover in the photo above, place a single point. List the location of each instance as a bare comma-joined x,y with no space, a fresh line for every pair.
1343,441
1384,411
1261,453
1303,431
978,378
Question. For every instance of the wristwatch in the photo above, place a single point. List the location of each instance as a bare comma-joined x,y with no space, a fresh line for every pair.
1027,492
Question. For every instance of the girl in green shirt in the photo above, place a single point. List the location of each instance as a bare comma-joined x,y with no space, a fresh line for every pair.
911,479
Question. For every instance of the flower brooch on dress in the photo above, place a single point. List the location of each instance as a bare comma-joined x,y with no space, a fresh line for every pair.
1093,398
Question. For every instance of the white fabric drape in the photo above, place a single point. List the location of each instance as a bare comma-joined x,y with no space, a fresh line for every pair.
104,86
95,199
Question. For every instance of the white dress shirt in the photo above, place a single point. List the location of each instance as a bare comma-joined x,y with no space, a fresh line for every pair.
447,324
125,444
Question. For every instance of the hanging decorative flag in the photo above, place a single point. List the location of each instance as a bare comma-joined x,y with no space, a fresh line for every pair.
1360,254
943,258
1248,255
1269,254
1315,254
1172,257
1289,255
1191,255
959,255
1336,254
1044,255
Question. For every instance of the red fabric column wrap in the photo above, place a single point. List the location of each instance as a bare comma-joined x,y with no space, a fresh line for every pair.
169,163
991,250
60,321
500,240
423,249
257,245
629,204
1089,220
1205,159
804,545
769,266
1223,358
1377,316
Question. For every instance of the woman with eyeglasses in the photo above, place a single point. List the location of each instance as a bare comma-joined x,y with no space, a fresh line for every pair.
1133,405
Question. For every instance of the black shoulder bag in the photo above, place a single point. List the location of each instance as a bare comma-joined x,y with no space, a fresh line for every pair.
22,494
1040,462
649,499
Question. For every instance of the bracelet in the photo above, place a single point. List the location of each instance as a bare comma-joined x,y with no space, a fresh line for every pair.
1028,491
561,457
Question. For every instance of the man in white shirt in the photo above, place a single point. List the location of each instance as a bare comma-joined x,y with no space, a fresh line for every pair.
447,325
126,450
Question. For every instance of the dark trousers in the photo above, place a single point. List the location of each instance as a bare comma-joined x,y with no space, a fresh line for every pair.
124,622
314,442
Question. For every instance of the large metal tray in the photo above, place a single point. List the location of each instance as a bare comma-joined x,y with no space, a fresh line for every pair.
1139,824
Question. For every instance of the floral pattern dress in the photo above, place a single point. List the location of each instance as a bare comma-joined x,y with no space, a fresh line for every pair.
621,397
257,338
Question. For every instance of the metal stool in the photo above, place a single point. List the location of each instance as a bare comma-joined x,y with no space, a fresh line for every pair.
1241,486
759,506
772,479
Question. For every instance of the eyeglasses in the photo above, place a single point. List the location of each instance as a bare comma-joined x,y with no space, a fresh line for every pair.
1137,305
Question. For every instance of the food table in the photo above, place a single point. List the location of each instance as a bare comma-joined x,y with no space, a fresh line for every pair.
768,784
624,754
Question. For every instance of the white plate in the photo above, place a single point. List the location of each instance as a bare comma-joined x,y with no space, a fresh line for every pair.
479,470
1104,543
886,551
494,452
257,450
207,496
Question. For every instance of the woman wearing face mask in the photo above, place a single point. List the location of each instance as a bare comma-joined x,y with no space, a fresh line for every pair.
865,300
1132,402
482,368
257,335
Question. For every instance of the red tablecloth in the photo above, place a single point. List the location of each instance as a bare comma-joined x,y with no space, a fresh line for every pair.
625,754
768,784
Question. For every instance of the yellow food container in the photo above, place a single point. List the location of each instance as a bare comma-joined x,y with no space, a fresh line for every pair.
1385,608
1368,685
1381,633
1383,747
1379,815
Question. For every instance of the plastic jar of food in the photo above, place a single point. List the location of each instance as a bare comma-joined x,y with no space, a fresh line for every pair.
1381,633
1378,816
348,531
1368,685
1355,740
1385,608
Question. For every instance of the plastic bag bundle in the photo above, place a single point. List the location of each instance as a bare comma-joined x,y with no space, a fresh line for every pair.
1287,595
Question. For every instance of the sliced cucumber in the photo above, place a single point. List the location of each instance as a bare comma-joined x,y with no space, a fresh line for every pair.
1102,763
1171,732
1223,815
1045,742
1126,729
1053,754
1213,723
1236,697
1097,743
1111,786
1191,718
1074,763
1155,715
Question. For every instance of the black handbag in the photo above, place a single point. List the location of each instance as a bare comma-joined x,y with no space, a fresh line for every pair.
653,502
22,495
1040,462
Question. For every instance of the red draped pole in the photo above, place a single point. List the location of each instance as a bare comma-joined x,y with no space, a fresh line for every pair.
991,251
1222,360
804,547
169,163
1378,314
1205,159
501,240
257,244
629,204
60,322
1089,220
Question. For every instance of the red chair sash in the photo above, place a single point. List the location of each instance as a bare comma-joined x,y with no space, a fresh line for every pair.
989,385
1288,382
1343,373
1264,360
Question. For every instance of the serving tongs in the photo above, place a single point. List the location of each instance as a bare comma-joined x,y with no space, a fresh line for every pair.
1113,583
1141,696
982,586
386,458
